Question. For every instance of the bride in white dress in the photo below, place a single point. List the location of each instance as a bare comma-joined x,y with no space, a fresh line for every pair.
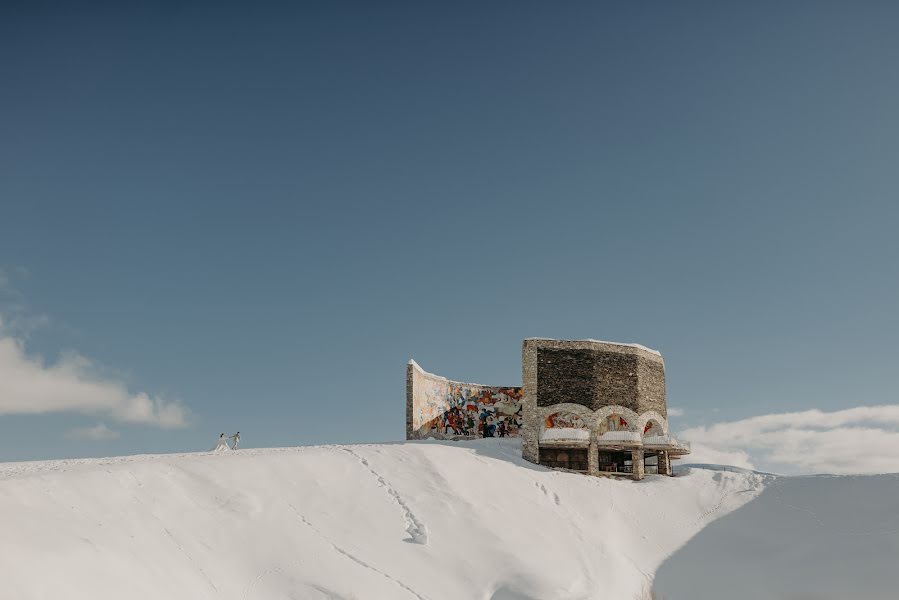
221,445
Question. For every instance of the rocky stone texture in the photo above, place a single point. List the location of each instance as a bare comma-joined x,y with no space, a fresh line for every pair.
651,386
567,376
588,373
530,432
664,464
639,465
597,374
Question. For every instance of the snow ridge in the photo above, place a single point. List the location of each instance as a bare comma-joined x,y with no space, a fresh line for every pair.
324,523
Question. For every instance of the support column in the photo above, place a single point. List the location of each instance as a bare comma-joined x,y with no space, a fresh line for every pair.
530,432
593,459
664,464
638,465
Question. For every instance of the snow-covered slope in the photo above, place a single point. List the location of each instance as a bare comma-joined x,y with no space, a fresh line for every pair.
803,538
393,521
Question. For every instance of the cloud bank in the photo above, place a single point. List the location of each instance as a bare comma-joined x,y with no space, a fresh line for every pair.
98,433
30,387
861,440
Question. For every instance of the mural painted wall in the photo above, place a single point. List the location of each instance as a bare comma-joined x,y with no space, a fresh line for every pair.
565,426
445,409
565,420
613,423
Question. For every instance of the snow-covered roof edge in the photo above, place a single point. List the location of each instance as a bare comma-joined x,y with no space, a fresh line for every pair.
417,367
627,344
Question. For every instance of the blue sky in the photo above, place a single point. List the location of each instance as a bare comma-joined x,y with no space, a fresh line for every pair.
258,215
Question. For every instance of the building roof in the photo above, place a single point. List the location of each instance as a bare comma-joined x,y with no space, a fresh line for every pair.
626,344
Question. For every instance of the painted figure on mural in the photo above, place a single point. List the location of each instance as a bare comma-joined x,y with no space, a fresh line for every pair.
652,429
489,427
486,418
449,422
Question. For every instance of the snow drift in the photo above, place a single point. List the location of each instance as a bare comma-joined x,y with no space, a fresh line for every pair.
424,520
803,538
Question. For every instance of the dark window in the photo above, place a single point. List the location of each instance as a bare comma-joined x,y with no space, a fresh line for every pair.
615,462
565,458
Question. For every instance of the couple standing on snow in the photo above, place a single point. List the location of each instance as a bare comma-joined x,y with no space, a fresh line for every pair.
222,442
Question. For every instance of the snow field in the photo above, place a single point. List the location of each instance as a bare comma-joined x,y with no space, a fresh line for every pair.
425,520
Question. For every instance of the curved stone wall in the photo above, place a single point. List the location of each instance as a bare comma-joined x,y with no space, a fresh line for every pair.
437,407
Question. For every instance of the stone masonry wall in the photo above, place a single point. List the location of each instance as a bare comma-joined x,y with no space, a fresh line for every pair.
590,377
530,449
597,374
651,387
589,373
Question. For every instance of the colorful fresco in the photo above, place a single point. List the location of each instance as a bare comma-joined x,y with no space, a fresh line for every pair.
613,423
652,429
565,420
443,408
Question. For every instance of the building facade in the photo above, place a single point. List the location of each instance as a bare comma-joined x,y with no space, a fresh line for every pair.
585,405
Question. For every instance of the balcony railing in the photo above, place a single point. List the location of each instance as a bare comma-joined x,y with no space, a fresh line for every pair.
565,434
667,442
617,437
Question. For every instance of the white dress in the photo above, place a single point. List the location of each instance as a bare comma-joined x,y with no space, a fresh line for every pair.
221,445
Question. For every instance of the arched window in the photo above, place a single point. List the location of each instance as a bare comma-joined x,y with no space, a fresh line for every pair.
564,426
565,420
653,428
613,422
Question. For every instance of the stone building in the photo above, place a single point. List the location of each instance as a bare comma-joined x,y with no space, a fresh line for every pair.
585,405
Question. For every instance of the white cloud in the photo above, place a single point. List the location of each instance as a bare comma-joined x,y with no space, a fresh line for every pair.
29,386
864,439
16,321
21,325
675,412
98,433
702,454
8,292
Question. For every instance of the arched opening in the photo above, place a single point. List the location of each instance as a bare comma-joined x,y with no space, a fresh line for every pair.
653,428
564,426
564,420
655,459
613,422
564,441
617,438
